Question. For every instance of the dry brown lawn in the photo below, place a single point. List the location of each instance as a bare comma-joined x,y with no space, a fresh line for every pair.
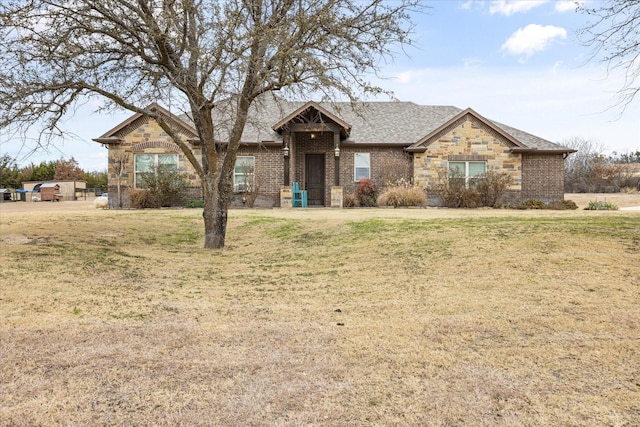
424,317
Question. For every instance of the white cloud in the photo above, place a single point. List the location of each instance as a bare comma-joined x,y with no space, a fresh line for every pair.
466,5
532,38
566,5
410,76
471,4
509,7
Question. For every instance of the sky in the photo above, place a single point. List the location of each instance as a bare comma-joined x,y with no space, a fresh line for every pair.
515,62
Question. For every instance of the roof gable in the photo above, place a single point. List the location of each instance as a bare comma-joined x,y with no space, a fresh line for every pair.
313,113
456,121
118,133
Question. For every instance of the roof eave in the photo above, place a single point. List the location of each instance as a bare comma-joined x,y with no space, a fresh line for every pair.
416,149
109,140
538,151
373,144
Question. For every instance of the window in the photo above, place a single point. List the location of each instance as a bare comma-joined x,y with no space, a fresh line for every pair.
243,174
361,166
144,163
470,171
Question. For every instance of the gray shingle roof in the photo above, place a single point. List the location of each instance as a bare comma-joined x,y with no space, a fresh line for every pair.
531,141
394,122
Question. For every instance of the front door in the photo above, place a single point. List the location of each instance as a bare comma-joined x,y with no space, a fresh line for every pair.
314,171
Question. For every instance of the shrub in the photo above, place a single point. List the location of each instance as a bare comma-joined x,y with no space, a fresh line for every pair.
491,187
532,204
350,201
164,185
143,199
195,204
394,171
366,193
563,205
402,196
630,190
453,193
601,206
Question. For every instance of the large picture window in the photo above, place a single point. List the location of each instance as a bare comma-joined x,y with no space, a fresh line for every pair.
469,171
361,166
243,174
145,163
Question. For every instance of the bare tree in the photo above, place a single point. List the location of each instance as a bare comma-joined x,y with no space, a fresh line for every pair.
615,39
119,162
202,54
251,183
590,170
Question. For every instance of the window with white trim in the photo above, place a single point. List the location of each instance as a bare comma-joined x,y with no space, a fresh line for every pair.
145,163
361,166
243,174
468,170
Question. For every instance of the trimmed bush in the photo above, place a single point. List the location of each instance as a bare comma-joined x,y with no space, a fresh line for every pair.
563,205
532,204
195,204
402,196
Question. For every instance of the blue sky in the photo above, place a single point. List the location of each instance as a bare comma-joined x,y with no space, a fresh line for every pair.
515,62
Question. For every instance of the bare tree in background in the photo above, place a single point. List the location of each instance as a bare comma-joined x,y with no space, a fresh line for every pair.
614,36
589,170
197,53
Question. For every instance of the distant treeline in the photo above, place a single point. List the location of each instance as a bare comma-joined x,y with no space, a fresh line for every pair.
12,176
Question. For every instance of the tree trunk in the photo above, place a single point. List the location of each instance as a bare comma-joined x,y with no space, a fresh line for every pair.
215,224
119,194
215,213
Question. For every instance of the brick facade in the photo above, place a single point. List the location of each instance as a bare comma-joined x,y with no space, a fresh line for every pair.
385,162
542,177
388,166
268,172
467,137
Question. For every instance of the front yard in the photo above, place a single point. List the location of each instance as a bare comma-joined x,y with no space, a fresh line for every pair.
320,317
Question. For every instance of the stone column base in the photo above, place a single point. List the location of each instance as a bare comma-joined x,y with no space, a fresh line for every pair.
285,197
337,197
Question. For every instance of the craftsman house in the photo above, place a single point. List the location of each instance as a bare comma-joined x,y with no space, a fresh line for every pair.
328,148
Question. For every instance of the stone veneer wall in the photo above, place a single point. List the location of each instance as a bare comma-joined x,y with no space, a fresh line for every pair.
144,136
469,140
543,177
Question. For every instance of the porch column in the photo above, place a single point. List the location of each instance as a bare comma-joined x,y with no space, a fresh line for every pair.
286,151
336,157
